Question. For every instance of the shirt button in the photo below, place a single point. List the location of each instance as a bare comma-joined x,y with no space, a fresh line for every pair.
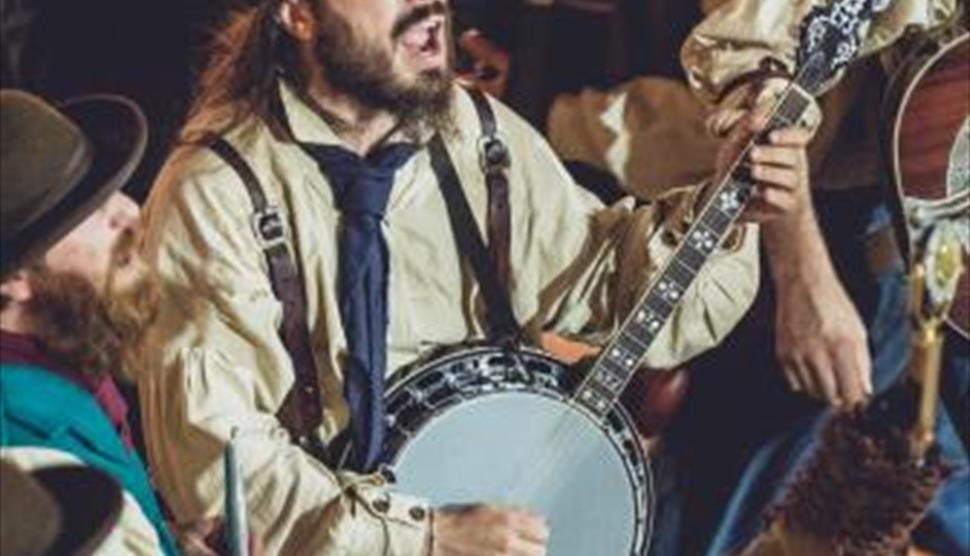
382,506
418,513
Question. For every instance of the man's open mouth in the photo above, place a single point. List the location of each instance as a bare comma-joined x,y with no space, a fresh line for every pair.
425,37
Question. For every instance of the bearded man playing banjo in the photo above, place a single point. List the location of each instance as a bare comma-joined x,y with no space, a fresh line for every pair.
310,245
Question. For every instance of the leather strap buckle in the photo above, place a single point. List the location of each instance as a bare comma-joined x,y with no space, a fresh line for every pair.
269,227
493,154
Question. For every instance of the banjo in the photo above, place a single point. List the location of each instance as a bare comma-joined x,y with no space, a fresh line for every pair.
491,424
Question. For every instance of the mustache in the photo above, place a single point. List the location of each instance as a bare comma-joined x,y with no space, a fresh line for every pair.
417,15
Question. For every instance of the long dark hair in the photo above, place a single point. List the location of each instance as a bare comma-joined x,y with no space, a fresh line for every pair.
247,55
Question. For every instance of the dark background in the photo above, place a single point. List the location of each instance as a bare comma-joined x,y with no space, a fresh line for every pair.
150,50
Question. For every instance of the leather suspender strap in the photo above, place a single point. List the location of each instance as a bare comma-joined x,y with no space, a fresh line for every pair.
486,116
301,412
502,325
493,156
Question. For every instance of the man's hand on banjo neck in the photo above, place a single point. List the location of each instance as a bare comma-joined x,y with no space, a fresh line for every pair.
821,341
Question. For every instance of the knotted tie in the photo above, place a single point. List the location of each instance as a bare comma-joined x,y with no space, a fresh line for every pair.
361,188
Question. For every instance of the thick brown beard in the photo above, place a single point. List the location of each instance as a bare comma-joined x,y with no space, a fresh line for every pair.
92,332
70,322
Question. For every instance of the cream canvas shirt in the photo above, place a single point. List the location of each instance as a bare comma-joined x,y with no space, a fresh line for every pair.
215,362
648,133
738,34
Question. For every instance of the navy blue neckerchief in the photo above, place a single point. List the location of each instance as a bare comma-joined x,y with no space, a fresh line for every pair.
361,188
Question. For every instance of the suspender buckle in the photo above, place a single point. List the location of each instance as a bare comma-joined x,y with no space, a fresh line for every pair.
269,227
492,153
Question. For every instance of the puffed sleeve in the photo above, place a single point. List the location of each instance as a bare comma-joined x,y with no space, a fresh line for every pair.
741,38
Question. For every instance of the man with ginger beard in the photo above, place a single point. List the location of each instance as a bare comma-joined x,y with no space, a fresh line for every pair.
75,296
331,104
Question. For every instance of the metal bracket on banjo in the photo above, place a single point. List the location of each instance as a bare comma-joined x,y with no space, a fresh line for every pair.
465,374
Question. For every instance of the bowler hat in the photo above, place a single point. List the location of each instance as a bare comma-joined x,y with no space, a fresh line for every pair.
57,165
65,509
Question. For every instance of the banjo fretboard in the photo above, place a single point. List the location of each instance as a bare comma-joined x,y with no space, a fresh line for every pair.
623,355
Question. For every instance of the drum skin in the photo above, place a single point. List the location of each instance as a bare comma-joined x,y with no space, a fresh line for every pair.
490,426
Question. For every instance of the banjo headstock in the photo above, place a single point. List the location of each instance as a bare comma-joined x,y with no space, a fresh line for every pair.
831,36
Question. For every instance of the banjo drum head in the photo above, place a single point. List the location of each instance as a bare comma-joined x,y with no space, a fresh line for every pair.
533,450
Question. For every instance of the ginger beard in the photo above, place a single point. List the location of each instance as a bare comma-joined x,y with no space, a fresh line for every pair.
95,331
368,72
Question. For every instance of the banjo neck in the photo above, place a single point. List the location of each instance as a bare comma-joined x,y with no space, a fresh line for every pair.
622,356
829,41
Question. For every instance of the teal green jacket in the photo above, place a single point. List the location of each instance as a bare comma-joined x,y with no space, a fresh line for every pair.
39,408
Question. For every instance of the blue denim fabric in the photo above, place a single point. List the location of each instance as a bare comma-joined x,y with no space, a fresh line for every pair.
955,387
741,433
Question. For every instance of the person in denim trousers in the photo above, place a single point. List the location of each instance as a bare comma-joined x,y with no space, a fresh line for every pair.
790,362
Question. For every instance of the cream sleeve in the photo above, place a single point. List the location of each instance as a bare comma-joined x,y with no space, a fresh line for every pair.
738,36
217,365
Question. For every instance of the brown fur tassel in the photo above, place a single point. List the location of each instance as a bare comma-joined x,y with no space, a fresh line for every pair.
862,493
